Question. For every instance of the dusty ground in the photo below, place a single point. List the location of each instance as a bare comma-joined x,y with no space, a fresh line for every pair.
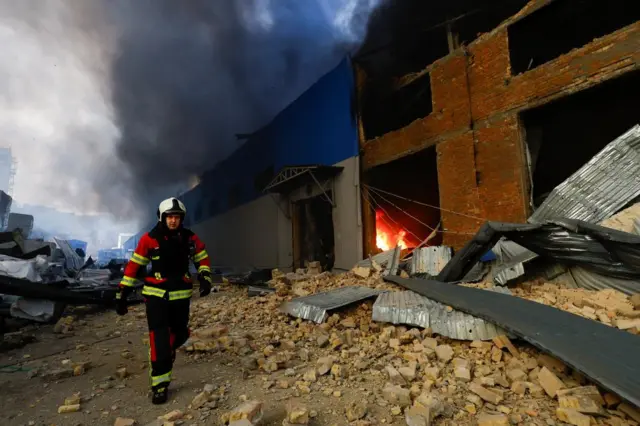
248,350
35,401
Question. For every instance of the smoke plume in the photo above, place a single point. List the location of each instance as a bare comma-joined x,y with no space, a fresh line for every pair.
190,75
110,105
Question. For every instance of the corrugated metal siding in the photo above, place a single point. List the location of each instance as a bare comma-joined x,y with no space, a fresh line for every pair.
407,307
430,260
577,277
581,278
601,187
316,306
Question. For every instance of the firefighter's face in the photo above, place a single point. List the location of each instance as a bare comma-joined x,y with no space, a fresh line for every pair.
173,221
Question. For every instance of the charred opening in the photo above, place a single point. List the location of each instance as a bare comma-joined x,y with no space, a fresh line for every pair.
405,36
386,108
566,134
565,25
313,232
401,192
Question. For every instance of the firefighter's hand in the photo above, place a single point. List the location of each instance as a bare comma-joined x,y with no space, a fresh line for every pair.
204,278
121,301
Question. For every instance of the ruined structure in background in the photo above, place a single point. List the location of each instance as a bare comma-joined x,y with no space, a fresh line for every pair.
490,127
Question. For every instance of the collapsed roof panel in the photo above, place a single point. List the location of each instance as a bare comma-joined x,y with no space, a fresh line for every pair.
600,188
72,260
606,355
408,307
572,242
316,306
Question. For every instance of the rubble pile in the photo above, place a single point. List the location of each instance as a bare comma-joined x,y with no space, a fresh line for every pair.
607,306
412,375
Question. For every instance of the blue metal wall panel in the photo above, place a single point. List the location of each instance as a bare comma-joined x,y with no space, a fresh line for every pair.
317,128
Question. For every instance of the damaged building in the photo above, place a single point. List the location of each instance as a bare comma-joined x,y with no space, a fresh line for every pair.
290,193
466,115
499,121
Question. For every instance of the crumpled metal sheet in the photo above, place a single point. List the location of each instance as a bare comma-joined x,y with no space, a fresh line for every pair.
389,261
430,260
609,181
33,309
581,278
511,260
72,260
25,269
407,307
636,226
97,276
316,306
570,242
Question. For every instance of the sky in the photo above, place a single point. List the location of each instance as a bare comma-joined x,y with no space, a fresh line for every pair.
110,105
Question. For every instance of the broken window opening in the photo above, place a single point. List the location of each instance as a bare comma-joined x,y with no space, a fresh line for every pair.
485,19
386,108
413,177
314,239
564,135
562,26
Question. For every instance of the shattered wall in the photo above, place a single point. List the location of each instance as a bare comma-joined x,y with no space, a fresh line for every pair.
482,169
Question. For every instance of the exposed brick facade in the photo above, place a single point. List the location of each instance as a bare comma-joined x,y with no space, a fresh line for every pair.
475,121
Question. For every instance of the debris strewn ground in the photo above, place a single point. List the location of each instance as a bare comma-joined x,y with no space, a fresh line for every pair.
608,306
248,363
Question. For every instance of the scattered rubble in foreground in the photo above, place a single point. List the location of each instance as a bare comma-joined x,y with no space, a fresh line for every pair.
416,377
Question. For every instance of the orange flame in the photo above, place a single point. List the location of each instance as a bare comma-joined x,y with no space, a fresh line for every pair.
388,235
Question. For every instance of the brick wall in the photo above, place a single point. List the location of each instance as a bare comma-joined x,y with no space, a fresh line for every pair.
476,101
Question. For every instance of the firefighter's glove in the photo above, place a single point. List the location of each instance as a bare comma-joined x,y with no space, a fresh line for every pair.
121,300
204,278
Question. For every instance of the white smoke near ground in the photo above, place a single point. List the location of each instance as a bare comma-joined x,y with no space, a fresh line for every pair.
110,105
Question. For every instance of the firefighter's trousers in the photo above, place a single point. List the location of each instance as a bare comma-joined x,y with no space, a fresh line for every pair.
168,330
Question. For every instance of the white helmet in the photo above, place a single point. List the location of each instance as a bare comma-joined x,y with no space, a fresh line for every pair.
171,206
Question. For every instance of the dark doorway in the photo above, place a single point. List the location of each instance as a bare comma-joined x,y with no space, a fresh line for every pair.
406,199
313,232
564,135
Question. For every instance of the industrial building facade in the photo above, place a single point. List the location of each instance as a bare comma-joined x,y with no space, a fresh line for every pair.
508,117
492,128
290,193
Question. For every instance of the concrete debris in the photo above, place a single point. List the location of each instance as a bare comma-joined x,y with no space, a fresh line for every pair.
120,421
249,410
350,369
356,410
64,409
297,415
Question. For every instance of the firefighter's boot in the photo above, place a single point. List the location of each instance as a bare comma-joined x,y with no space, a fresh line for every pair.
160,394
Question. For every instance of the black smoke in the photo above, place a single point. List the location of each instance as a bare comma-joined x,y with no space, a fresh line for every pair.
189,75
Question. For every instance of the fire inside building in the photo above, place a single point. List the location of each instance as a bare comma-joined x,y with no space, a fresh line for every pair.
420,139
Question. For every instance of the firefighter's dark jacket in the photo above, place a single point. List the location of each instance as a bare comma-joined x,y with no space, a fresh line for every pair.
169,253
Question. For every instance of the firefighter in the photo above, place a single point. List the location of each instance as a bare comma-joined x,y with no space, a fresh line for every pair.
167,290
